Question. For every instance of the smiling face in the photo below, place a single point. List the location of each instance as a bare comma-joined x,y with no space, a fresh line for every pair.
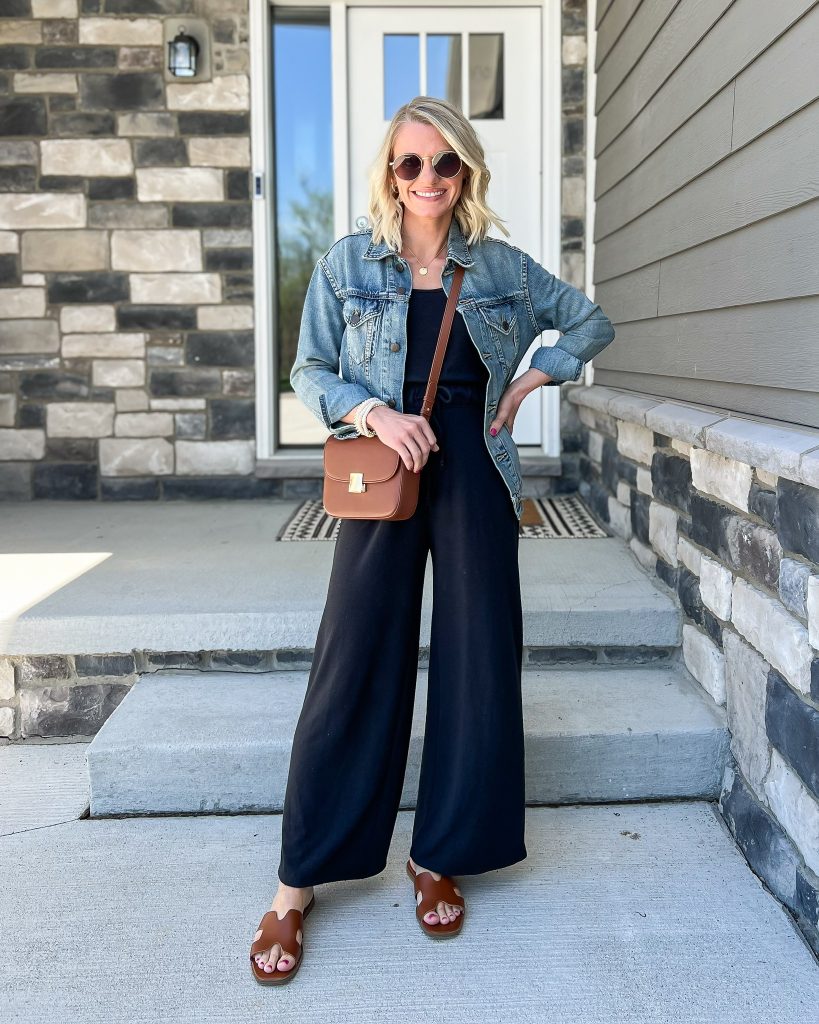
426,141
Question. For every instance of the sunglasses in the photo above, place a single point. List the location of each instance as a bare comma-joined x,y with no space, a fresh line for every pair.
408,166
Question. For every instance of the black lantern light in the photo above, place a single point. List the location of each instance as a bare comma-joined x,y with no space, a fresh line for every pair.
183,51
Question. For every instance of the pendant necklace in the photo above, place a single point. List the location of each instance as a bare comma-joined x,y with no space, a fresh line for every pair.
424,270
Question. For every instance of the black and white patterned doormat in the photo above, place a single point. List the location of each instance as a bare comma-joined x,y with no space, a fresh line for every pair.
565,517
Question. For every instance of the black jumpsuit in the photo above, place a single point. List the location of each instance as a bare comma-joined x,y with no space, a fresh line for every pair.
351,741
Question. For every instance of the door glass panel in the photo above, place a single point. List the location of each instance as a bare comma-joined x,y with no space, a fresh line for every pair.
486,74
302,192
444,68
401,70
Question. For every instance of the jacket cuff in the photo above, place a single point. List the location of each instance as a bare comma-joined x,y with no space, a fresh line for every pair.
561,366
338,401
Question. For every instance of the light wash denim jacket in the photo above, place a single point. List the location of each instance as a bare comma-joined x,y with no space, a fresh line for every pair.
355,320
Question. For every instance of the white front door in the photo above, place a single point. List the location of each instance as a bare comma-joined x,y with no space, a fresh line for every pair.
486,60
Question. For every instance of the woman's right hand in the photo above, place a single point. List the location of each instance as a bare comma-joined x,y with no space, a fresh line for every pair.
406,433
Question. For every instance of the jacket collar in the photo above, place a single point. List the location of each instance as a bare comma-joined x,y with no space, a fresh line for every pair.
457,249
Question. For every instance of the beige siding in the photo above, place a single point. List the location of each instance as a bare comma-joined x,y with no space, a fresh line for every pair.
707,189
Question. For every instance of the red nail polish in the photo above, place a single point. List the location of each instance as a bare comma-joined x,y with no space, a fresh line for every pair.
493,431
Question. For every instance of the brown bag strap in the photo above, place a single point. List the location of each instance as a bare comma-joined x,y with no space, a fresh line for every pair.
443,339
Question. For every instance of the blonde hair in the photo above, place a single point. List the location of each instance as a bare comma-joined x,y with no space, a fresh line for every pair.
473,214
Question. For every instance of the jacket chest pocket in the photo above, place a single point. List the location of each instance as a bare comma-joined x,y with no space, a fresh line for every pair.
500,324
361,317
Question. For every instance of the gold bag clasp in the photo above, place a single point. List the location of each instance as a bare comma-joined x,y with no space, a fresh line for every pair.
356,485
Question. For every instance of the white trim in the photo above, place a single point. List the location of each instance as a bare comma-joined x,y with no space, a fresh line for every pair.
552,162
261,156
591,163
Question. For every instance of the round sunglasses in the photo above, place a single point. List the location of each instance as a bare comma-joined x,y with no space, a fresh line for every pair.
408,166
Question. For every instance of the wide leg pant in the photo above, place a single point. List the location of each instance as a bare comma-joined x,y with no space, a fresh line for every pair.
351,741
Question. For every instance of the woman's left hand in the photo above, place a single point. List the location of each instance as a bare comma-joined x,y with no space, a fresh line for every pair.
512,397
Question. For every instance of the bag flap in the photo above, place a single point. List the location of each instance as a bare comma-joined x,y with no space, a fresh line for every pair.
368,455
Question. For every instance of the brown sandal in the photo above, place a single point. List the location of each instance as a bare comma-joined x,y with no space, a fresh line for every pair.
431,893
287,932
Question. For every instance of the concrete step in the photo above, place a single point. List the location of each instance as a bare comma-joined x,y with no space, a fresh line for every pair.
210,576
220,742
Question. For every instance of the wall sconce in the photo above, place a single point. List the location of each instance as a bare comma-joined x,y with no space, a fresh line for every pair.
183,55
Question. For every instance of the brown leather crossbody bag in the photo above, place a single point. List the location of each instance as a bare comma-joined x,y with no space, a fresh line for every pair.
365,478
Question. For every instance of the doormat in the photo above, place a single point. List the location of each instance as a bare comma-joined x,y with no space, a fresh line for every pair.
565,517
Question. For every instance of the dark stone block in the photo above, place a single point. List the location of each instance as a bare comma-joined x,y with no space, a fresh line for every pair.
149,6
127,90
798,518
609,463
79,123
17,179
229,259
639,516
95,286
23,116
14,57
184,383
61,183
160,153
224,31
105,664
598,501
75,57
238,184
639,655
571,228
210,215
57,104
197,122
73,710
814,679
71,449
561,656
232,418
762,502
671,479
129,489
237,287
710,522
91,6
793,728
53,384
16,9
807,905
30,414
220,348
5,82
111,188
762,839
573,85
574,135
15,481
183,488
8,265
174,659
661,440
34,669
60,32
667,573
755,550
160,318
72,480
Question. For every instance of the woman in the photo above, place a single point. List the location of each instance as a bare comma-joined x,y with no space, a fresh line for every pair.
373,310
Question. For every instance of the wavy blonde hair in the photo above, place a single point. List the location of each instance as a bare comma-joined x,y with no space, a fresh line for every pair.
474,215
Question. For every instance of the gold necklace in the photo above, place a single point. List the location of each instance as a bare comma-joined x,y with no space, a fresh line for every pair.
425,269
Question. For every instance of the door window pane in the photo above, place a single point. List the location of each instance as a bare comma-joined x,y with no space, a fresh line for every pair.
444,68
401,71
486,74
302,192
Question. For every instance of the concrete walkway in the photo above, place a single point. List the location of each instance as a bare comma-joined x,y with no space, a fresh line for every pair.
84,578
630,913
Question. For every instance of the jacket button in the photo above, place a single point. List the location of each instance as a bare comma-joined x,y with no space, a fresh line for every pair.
401,291
355,317
399,265
505,325
394,346
391,403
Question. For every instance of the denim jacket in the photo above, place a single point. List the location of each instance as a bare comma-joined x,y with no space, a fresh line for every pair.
354,321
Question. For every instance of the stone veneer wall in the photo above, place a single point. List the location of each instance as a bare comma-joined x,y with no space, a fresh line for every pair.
126,290
724,510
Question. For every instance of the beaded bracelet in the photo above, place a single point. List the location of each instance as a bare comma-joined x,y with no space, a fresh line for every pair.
361,416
